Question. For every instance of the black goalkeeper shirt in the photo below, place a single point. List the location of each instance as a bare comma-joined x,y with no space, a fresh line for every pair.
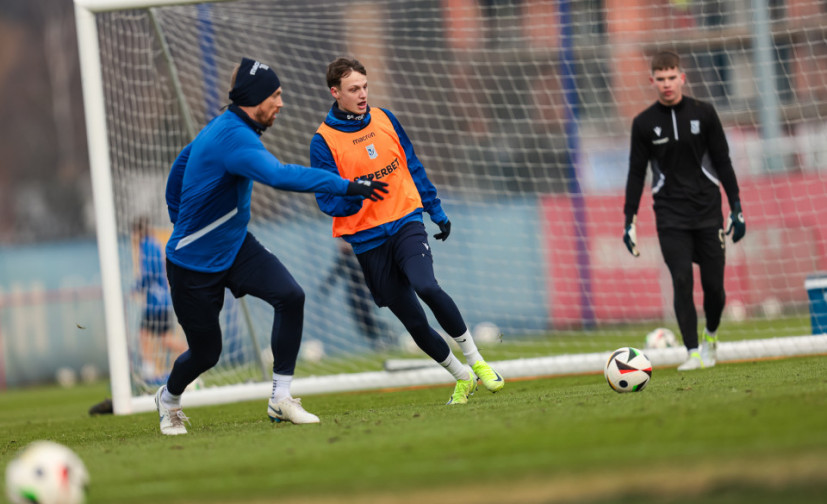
686,147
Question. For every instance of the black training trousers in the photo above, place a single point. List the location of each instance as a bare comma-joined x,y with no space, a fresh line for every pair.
399,271
199,297
707,248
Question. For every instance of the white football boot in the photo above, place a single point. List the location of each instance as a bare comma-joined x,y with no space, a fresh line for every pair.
709,349
290,410
693,362
172,420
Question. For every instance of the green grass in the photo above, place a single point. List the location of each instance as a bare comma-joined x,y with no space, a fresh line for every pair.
740,432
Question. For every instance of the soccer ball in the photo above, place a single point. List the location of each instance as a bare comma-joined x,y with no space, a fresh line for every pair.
628,370
661,338
46,473
487,332
312,350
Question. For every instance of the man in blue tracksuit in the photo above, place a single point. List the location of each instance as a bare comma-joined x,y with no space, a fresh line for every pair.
388,236
208,198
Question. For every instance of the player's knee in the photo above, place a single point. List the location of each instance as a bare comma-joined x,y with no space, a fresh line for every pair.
211,359
419,330
295,296
205,359
716,298
291,297
682,280
428,291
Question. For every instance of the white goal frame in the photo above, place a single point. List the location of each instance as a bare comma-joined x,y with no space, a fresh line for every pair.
103,196
117,347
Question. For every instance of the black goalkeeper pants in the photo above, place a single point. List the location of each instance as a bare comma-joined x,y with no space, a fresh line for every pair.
707,248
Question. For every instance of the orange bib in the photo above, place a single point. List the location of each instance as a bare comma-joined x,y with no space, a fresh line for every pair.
376,154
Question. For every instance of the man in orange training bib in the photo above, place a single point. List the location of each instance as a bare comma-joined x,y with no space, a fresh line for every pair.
388,236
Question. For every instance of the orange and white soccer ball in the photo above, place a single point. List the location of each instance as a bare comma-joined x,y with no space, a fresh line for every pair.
46,472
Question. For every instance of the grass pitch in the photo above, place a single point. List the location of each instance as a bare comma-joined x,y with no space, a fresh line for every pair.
740,432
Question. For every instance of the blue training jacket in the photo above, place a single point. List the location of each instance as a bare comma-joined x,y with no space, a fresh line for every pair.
341,206
209,187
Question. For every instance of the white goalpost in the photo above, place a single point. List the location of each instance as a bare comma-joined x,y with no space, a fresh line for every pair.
520,112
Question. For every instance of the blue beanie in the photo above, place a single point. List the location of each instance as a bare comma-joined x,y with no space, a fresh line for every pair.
254,82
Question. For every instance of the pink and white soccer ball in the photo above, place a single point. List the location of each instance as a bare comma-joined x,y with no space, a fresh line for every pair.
45,472
661,338
628,370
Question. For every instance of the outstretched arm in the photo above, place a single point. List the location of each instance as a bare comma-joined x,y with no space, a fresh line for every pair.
253,160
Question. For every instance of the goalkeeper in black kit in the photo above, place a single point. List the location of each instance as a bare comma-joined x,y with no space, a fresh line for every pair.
682,139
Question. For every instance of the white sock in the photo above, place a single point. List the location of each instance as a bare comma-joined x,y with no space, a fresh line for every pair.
169,400
455,367
690,351
281,386
709,333
469,348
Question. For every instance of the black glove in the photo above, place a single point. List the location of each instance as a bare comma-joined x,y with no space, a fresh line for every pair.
444,230
735,223
368,189
630,236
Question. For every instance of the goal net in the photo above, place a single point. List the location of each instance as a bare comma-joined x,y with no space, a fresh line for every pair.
520,112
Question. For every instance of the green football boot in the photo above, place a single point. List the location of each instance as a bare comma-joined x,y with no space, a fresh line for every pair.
462,390
489,378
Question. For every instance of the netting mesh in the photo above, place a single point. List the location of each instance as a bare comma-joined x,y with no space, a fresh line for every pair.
520,112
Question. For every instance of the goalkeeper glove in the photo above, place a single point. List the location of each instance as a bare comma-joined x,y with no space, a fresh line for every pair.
735,223
630,236
444,230
368,189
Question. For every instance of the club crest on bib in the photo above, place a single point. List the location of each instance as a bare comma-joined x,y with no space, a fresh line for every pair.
695,126
371,151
